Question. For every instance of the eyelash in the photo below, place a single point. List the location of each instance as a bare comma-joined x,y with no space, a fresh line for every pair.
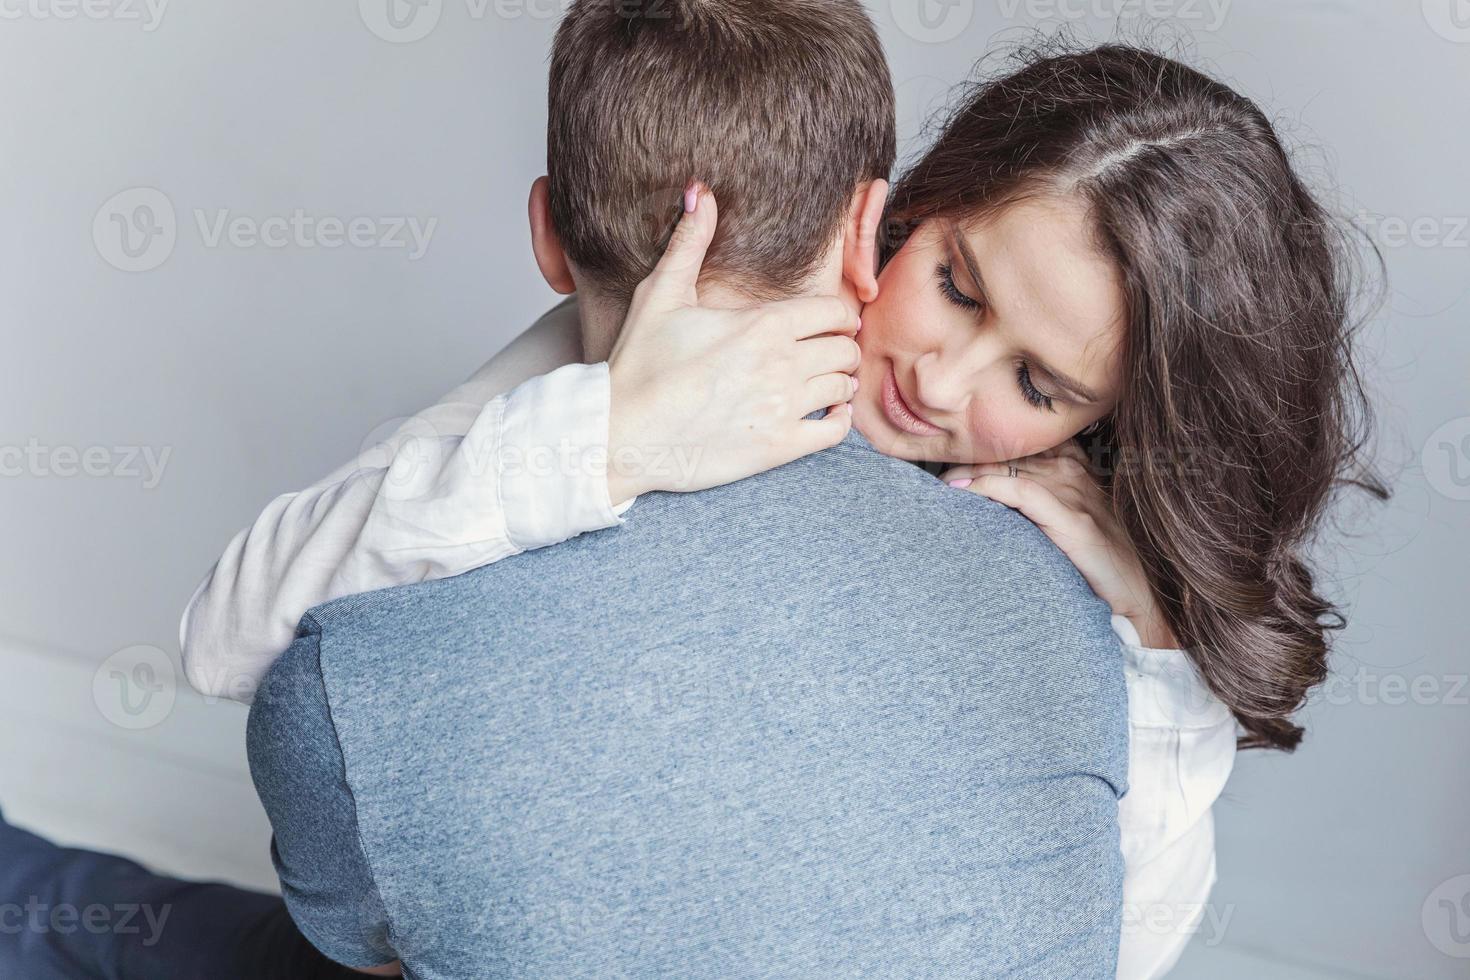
1029,391
951,292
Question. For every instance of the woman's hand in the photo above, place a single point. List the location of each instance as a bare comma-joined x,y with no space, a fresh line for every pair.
1059,496
704,396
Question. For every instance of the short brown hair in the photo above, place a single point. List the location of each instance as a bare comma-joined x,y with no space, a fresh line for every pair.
780,106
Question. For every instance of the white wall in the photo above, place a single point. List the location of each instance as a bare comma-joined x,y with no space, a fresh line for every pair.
257,369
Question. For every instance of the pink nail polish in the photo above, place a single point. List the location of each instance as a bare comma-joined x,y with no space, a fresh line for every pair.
960,484
859,326
691,199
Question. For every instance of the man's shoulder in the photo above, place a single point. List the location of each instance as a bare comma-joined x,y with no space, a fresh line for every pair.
852,494
806,533
871,497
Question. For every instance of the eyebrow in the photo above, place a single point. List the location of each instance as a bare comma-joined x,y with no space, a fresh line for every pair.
1071,384
1077,388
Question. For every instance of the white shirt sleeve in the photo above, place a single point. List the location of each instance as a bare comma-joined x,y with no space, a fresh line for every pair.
1181,750
476,478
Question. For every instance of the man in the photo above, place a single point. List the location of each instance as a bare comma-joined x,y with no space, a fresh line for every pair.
833,720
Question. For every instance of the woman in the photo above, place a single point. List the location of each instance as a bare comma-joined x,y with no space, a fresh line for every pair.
1105,295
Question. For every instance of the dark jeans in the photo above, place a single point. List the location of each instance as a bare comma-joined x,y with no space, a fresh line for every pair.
70,914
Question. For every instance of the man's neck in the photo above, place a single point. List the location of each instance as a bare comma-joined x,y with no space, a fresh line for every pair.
602,317
601,320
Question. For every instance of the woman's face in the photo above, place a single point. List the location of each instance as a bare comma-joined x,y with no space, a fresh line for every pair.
991,342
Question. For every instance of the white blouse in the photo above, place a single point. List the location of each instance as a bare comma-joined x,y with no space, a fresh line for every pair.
514,459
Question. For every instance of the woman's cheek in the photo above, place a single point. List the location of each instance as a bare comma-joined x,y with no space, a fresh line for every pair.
1002,433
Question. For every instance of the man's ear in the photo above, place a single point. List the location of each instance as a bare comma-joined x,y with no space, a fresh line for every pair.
860,244
546,243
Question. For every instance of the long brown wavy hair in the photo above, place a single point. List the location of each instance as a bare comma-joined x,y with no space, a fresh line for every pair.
1241,410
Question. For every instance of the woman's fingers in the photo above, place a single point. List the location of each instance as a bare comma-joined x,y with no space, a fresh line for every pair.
1057,469
814,435
811,316
673,280
826,391
1034,500
824,355
964,475
1089,537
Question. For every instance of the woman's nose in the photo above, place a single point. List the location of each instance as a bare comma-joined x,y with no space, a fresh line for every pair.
942,382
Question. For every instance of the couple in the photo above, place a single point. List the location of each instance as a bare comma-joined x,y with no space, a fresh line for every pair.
830,715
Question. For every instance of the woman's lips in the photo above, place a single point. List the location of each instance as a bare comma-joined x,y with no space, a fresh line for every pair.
900,414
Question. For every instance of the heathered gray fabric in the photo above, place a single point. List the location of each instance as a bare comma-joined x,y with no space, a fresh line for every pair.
837,720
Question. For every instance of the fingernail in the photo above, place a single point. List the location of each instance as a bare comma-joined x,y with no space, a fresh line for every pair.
960,484
859,326
691,198
854,384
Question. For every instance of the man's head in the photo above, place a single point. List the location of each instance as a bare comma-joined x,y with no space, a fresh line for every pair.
783,108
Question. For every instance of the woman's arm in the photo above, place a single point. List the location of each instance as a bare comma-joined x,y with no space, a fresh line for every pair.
690,398
450,490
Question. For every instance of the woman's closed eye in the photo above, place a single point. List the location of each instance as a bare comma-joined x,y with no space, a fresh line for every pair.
952,292
945,274
1029,391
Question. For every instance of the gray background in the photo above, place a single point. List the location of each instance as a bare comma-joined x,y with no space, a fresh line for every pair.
257,369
